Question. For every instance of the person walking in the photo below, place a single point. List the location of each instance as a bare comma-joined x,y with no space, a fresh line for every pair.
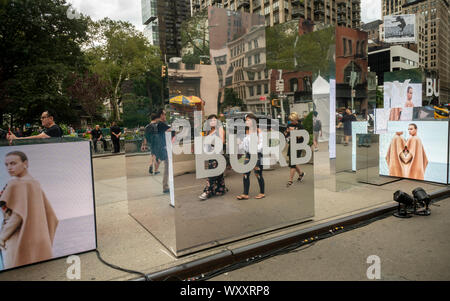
346,121
294,124
214,185
317,131
152,142
251,125
162,129
115,137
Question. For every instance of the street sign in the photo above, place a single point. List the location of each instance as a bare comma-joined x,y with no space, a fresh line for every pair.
280,85
262,98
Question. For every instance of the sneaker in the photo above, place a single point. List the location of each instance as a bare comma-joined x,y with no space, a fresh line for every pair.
300,178
166,190
150,170
203,196
157,172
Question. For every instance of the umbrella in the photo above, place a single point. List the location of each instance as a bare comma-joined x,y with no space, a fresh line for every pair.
185,100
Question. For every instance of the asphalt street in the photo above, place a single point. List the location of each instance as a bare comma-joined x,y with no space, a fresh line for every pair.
408,249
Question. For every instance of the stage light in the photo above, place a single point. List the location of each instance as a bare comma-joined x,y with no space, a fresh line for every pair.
423,199
405,200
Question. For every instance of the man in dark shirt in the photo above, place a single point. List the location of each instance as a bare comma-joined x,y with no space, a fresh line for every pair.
162,129
96,136
115,136
51,129
346,121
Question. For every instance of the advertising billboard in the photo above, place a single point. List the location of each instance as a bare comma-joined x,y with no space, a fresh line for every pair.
47,202
400,29
415,150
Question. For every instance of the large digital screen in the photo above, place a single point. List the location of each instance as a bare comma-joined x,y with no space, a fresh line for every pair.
47,202
415,150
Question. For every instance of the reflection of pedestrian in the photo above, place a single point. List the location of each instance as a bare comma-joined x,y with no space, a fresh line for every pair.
214,185
294,124
152,141
250,123
115,136
97,135
52,130
347,120
317,131
162,129
30,223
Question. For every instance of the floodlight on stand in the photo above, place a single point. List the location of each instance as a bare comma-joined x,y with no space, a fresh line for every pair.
423,199
404,200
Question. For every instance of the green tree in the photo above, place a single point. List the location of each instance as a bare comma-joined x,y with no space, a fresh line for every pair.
90,92
117,52
40,49
280,42
195,39
231,99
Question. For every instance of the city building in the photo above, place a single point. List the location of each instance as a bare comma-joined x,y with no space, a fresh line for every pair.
373,31
150,20
351,57
391,58
163,20
195,80
336,12
249,78
433,37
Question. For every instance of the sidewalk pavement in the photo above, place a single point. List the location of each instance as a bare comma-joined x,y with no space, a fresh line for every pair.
415,249
125,243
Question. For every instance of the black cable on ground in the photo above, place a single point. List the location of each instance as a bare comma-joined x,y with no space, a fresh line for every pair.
288,249
121,269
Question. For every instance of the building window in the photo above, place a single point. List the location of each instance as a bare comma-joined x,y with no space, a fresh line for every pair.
258,90
266,89
345,46
396,59
293,84
251,90
249,60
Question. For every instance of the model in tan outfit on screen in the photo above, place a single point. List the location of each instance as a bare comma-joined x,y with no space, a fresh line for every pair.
30,223
407,158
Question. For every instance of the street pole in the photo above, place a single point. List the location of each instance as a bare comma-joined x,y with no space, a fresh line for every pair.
281,100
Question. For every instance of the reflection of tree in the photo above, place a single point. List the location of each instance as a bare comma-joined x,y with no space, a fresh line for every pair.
309,52
195,38
312,51
280,42
231,99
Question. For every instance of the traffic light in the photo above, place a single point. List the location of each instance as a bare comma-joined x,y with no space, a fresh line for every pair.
276,103
163,70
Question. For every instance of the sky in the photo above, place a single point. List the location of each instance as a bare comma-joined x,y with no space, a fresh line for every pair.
124,10
130,10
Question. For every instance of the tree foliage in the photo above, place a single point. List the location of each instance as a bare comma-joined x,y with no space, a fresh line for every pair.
90,92
117,51
195,38
40,48
231,99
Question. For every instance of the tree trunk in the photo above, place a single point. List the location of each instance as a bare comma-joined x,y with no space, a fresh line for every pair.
115,100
